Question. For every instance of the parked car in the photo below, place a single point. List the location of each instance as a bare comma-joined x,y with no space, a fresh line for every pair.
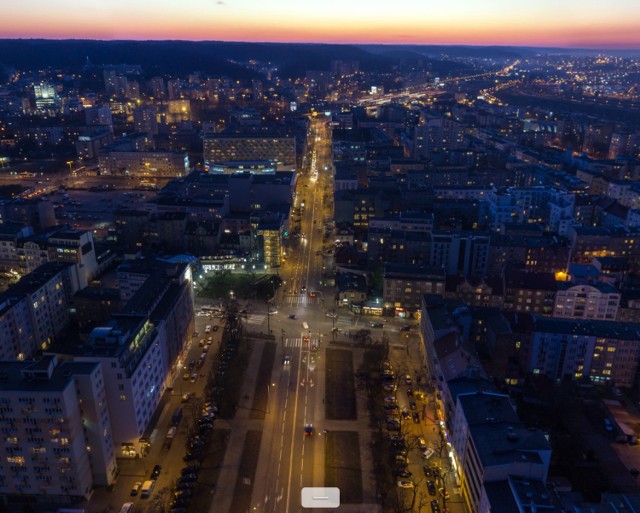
431,487
416,417
405,483
428,453
135,488
155,473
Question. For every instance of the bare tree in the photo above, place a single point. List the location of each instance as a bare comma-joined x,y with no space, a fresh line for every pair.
161,501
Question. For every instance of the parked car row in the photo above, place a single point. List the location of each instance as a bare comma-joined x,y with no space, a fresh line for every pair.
184,489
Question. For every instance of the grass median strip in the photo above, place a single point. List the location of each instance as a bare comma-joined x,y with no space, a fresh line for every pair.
340,392
342,465
259,406
246,473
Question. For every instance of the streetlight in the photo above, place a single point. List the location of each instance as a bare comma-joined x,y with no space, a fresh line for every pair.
70,162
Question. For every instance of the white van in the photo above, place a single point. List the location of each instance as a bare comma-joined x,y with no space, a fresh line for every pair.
305,326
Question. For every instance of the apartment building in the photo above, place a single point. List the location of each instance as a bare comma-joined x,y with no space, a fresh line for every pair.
57,444
405,285
34,311
586,301
491,444
606,352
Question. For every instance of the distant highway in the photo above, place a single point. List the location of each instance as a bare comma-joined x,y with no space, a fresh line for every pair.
432,90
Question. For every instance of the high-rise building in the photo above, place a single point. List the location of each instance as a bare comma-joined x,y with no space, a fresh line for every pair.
145,119
158,88
57,444
46,96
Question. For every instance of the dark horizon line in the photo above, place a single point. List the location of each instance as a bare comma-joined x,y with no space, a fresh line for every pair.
326,43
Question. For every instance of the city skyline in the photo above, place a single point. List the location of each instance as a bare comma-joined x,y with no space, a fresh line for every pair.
571,24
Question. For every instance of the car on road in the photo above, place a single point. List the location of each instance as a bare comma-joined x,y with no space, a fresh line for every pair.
405,474
293,316
405,328
186,375
428,453
416,417
435,507
286,360
155,473
194,377
192,364
135,488
431,487
186,397
308,430
409,392
427,470
377,324
405,483
405,415
407,380
413,406
422,443
215,328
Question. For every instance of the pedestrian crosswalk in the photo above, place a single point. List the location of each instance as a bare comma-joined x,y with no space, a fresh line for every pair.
293,342
301,300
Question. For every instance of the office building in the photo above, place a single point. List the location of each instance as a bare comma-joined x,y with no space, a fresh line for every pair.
229,147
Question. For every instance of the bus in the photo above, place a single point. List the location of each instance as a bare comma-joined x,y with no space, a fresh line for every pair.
305,326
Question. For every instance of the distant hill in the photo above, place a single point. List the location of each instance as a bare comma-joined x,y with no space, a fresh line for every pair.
180,57
226,58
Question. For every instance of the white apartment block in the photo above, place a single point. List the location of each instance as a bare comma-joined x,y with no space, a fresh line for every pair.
55,428
132,353
594,301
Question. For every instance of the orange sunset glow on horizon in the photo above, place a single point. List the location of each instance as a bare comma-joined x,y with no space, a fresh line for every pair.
585,24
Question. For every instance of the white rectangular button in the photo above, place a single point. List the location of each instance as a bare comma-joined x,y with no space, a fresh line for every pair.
318,497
